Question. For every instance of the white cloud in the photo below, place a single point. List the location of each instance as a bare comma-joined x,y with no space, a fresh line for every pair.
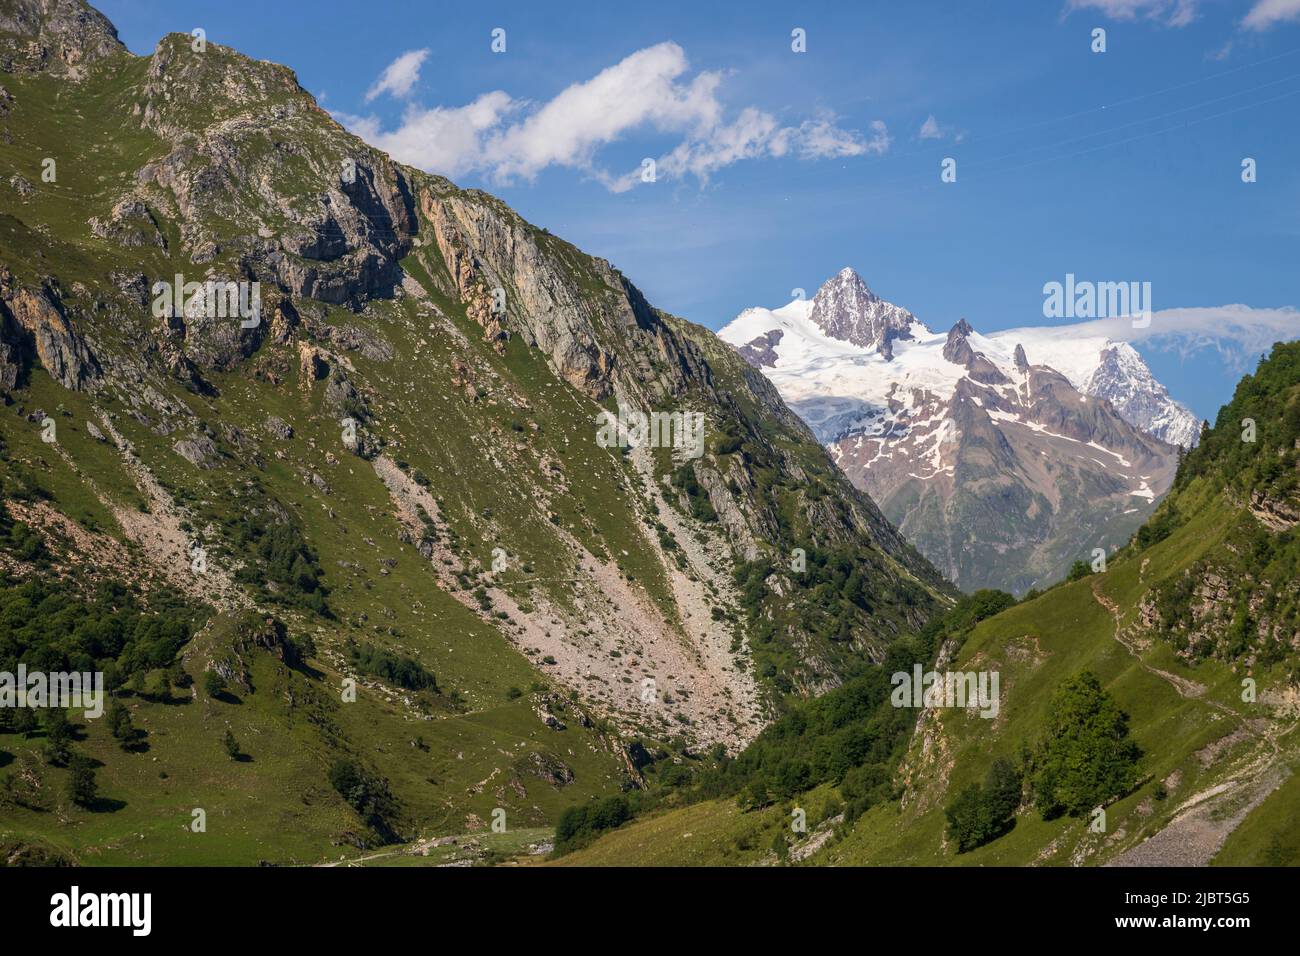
751,134
1175,13
1268,13
647,91
400,76
446,140
822,139
1239,333
642,89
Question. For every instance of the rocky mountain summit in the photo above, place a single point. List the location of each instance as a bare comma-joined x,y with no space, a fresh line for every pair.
844,308
1004,458
1123,379
54,36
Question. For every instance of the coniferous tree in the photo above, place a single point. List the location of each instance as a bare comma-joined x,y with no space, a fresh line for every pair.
58,737
119,722
24,721
82,787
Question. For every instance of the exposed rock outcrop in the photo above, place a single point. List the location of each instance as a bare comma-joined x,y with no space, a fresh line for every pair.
759,351
846,309
35,319
56,36
199,451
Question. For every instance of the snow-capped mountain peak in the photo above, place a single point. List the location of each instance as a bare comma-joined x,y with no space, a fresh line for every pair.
845,308
1105,368
999,455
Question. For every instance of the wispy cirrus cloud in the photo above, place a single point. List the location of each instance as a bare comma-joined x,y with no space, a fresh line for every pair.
1239,333
1174,13
1266,14
648,92
1262,15
932,129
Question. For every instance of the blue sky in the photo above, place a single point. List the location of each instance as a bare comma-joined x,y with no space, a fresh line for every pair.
777,168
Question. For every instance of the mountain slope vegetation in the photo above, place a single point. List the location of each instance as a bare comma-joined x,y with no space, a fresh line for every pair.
1170,679
393,583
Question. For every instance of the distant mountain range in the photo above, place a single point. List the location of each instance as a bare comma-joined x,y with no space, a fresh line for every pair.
1004,457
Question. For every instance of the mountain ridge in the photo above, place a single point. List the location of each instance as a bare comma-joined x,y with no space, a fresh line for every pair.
395,460
889,409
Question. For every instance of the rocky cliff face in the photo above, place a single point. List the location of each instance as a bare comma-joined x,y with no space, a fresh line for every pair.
33,327
319,216
54,36
447,362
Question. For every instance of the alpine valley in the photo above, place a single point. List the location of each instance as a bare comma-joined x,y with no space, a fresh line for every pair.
367,583
358,570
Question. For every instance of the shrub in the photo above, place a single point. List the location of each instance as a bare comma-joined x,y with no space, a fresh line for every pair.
980,814
367,793
580,825
395,668
1086,756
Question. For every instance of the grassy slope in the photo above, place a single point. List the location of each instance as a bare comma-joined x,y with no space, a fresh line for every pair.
1074,632
266,796
482,463
277,805
271,807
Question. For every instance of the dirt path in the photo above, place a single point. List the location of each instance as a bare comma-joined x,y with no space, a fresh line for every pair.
465,849
1203,822
1186,688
